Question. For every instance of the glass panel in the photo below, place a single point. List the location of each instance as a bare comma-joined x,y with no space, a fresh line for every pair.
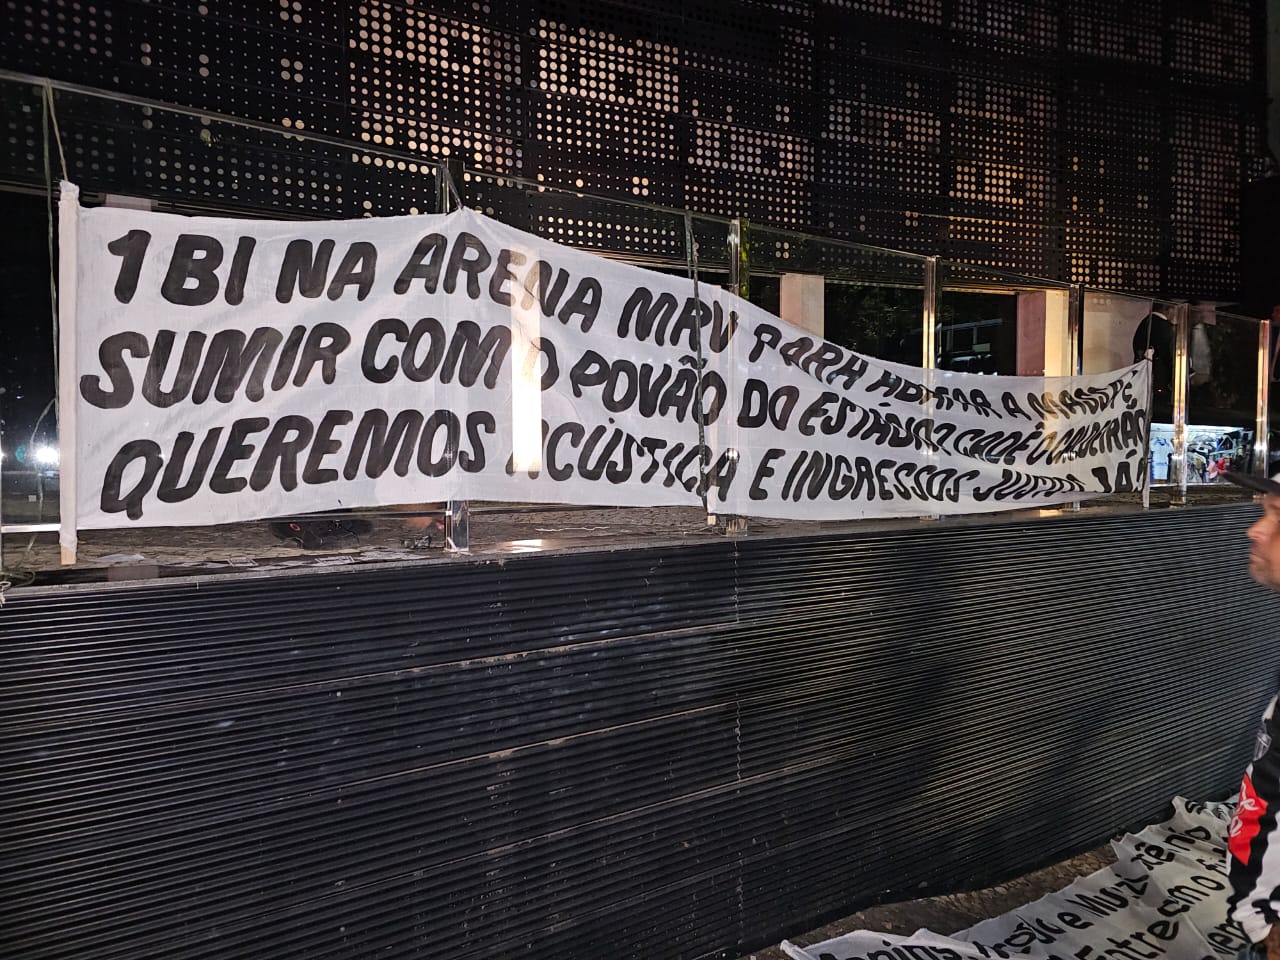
1222,396
1273,399
711,236
998,323
28,426
635,232
23,118
863,298
977,332
1116,330
659,239
202,164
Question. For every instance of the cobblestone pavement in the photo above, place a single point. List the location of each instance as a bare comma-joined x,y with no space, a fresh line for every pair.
948,914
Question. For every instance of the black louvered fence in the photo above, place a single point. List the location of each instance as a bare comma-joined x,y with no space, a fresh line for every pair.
667,752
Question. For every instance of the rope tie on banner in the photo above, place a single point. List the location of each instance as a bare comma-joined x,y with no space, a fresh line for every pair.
57,134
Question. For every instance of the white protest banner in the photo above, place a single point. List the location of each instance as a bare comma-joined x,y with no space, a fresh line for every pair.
233,369
1165,897
220,370
824,433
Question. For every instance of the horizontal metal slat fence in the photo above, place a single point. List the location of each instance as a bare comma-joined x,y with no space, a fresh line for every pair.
660,752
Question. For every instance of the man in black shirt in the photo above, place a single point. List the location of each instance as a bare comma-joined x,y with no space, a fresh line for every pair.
1253,840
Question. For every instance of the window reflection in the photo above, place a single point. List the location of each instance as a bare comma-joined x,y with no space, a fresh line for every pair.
978,332
1221,394
882,322
28,428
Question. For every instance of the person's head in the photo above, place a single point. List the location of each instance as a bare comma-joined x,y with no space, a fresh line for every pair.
1264,534
1264,544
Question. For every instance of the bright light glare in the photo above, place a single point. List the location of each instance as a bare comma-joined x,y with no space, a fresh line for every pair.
47,456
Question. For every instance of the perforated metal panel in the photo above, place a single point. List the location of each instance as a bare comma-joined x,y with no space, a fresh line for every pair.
1207,154
1116,182
437,84
1080,140
1129,32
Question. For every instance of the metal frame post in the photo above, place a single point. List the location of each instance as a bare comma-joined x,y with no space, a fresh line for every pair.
3,440
1261,441
929,315
739,264
1146,440
738,246
1178,316
1075,328
929,348
457,516
1075,365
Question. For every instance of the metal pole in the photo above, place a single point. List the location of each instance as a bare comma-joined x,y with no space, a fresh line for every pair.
2,443
929,350
738,244
1181,372
1075,360
1261,440
457,517
1146,479
739,264
1075,329
929,315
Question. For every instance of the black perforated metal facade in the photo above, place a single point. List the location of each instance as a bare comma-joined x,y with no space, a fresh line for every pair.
1088,140
667,753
